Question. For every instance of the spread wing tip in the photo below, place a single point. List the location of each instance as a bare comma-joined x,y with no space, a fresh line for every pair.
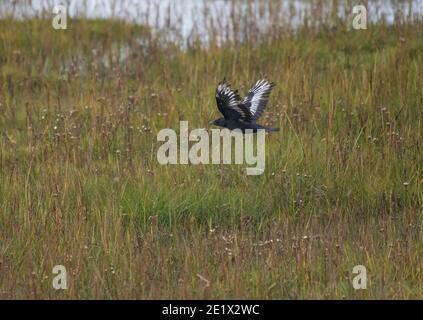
266,82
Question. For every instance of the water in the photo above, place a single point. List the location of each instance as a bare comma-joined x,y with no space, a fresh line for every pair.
186,19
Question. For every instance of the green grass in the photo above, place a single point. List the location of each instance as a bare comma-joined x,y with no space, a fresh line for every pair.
79,114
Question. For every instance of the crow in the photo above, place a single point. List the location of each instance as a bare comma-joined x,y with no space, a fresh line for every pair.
242,114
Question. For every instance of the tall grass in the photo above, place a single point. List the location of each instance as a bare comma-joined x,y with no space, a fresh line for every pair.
79,114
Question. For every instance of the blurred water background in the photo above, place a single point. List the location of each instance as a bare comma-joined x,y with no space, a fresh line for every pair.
191,20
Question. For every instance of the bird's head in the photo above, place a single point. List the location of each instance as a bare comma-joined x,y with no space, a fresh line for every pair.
218,122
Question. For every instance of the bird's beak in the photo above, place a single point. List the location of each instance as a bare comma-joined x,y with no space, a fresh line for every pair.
211,122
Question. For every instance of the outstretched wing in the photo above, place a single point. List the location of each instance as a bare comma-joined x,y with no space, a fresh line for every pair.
229,103
257,97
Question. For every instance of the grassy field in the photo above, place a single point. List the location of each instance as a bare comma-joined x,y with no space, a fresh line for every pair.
81,186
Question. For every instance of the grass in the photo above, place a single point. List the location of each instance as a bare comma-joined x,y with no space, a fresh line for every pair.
79,114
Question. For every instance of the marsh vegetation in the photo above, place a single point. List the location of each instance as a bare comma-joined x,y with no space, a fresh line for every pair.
81,186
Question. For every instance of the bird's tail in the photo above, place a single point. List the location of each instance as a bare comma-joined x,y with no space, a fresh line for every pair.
269,129
272,129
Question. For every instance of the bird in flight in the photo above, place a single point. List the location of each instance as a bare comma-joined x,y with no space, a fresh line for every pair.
242,113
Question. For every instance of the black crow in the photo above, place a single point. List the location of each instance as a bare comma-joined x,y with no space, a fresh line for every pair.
242,114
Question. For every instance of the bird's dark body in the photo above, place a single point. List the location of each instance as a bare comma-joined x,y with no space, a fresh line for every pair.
242,113
232,125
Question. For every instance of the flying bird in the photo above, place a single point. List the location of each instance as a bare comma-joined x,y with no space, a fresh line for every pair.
242,113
